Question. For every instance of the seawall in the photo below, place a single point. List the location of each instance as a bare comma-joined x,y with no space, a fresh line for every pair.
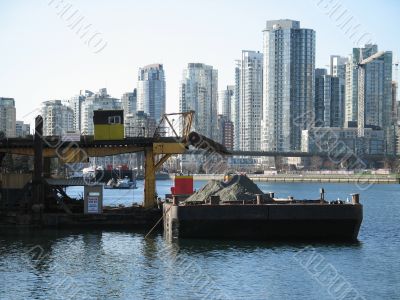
354,178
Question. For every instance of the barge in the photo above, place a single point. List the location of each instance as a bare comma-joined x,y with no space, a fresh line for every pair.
265,221
263,218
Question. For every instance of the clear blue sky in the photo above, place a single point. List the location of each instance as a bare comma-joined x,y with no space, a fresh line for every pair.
42,59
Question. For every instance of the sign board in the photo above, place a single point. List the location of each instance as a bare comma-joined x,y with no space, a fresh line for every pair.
93,204
93,199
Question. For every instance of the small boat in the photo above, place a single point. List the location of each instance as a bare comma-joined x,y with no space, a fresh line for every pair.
124,183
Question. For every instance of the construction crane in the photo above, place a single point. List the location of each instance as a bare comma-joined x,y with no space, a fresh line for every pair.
361,89
395,82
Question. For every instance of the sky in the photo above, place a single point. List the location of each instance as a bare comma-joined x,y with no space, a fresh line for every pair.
42,57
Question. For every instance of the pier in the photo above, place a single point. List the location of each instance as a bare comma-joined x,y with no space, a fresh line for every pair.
36,199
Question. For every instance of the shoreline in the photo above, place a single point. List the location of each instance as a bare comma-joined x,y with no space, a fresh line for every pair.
306,178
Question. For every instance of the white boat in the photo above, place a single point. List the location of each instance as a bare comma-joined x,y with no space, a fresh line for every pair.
124,183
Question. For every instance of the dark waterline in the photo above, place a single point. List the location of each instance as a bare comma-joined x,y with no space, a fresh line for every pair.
78,264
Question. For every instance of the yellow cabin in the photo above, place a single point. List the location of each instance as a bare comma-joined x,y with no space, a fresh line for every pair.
108,125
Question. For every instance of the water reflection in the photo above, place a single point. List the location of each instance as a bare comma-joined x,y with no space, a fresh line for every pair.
117,264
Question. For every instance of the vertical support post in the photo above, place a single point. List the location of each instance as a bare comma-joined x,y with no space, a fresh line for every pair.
38,149
46,167
38,162
149,179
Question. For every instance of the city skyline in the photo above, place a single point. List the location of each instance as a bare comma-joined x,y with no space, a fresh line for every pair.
68,66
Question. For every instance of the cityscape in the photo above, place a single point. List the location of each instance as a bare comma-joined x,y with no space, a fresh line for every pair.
199,149
278,101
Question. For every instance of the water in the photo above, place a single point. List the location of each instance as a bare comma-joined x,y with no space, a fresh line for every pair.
91,264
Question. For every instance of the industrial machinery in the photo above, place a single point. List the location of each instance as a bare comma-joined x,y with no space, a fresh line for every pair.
108,140
108,125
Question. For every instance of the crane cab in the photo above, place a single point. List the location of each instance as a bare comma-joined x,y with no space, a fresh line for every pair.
108,125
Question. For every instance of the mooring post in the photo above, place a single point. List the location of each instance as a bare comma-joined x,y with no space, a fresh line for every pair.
355,198
322,195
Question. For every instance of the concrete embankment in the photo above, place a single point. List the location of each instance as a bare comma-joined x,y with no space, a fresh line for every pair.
332,178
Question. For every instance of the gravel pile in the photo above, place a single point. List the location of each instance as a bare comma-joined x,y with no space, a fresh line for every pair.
239,188
211,188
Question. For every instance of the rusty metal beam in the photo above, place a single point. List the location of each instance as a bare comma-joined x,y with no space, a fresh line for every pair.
161,161
75,154
169,148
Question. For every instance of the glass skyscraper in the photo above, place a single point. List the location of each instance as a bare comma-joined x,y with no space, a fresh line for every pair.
151,91
7,117
351,102
288,102
250,107
225,98
199,91
129,103
76,104
377,91
328,100
235,110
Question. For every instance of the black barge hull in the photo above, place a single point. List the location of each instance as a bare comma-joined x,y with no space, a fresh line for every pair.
264,222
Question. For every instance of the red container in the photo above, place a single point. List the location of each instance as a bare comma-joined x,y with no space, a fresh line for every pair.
183,185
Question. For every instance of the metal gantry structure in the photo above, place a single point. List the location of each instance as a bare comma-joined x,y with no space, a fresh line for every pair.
156,149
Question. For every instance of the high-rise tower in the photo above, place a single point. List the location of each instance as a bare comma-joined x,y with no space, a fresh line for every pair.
288,102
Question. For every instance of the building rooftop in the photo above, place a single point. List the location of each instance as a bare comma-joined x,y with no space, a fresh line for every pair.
153,66
7,101
282,24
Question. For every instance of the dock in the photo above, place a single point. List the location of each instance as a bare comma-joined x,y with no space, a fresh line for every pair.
123,218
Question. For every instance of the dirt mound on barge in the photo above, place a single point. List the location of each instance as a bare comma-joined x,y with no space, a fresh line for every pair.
239,188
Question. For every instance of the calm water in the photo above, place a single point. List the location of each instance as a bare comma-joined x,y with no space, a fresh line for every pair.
123,265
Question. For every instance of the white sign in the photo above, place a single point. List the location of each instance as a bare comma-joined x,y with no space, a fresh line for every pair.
93,204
